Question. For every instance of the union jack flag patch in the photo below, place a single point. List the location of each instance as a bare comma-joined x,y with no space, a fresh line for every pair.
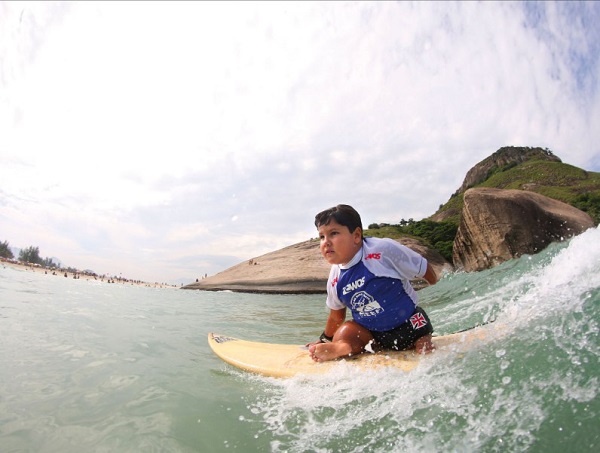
418,320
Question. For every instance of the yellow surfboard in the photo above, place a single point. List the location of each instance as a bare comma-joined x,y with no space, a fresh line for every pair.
286,360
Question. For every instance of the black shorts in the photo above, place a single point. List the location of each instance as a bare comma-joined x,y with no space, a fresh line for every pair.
404,336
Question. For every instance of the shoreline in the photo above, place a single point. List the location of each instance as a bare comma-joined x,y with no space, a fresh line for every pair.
55,272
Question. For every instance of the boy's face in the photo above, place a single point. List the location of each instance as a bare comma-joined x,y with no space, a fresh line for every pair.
338,244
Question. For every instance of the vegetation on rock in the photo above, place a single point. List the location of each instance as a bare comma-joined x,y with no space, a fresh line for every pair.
552,178
523,168
437,235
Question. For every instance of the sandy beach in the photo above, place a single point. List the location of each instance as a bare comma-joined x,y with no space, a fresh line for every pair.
62,273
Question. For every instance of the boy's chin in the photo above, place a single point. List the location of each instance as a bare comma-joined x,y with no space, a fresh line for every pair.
332,260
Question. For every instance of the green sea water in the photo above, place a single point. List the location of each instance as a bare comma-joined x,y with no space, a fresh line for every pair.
92,367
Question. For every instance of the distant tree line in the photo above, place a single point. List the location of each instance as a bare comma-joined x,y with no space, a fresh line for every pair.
29,254
5,251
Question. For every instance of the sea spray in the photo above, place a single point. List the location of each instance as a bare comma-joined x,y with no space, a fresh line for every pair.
540,358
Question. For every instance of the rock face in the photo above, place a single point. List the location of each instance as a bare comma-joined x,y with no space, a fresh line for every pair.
297,269
498,225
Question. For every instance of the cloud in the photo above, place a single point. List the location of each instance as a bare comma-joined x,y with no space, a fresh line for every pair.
218,130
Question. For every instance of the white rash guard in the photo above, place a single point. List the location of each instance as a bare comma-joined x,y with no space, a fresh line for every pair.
375,284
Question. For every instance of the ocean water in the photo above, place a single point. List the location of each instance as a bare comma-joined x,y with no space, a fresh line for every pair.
93,367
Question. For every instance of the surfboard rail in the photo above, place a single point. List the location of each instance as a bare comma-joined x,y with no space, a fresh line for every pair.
287,360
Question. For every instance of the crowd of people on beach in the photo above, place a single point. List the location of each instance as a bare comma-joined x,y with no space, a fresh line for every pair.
77,274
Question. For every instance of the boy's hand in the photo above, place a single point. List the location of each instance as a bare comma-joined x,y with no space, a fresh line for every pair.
308,345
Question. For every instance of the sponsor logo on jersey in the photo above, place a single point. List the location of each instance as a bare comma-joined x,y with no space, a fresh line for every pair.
354,285
334,281
418,320
365,305
373,256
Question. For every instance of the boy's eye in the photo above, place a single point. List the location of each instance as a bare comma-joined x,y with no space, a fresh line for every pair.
329,234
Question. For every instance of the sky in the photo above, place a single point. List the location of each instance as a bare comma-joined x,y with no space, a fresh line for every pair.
166,141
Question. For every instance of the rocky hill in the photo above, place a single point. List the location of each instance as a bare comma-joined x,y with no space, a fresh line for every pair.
530,169
297,269
498,225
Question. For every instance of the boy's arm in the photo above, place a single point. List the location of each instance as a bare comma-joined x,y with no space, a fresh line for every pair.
430,275
334,321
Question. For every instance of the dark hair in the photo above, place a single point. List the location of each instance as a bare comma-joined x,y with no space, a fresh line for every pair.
343,214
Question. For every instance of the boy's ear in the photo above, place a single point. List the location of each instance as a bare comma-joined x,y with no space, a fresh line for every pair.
357,233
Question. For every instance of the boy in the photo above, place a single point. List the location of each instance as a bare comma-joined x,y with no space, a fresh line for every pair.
371,277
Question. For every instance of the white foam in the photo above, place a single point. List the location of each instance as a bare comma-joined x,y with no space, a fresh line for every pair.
465,398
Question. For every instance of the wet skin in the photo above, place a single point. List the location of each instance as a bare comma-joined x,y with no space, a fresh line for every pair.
338,245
